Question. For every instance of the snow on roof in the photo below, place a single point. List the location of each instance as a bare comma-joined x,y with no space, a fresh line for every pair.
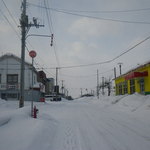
10,55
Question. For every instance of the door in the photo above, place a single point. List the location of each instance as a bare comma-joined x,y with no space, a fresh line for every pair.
142,89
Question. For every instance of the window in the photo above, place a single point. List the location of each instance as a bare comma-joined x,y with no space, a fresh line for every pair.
12,78
142,88
125,87
0,79
34,80
120,89
12,95
117,89
132,86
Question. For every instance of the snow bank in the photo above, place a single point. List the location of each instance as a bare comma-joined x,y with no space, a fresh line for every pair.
2,101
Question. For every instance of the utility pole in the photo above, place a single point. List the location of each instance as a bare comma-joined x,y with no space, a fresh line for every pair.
97,84
25,26
120,67
115,72
102,85
23,23
57,88
81,91
62,87
56,76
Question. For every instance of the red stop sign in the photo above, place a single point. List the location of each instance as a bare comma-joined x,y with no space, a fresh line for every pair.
32,54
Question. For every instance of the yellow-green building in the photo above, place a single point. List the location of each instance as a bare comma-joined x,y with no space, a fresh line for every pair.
136,80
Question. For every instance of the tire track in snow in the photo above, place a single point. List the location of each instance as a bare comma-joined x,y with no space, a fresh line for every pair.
119,133
107,135
67,137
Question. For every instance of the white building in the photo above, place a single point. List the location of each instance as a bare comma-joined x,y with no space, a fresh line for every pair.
10,79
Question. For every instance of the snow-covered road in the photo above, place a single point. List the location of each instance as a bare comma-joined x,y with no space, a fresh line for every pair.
83,124
89,126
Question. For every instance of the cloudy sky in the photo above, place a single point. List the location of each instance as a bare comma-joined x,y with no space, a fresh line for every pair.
85,32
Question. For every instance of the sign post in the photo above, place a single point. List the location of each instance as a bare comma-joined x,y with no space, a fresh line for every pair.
32,54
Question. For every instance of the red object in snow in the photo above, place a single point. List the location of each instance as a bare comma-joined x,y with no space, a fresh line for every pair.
42,99
35,111
32,54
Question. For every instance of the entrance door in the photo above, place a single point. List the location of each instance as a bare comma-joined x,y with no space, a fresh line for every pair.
142,89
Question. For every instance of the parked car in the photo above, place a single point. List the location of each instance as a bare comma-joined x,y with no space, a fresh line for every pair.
49,97
53,97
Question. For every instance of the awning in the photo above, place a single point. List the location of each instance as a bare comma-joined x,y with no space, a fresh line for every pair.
133,75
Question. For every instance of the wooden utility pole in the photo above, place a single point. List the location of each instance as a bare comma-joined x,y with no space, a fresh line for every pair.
25,26
62,87
97,84
81,91
23,23
120,67
103,85
115,72
57,88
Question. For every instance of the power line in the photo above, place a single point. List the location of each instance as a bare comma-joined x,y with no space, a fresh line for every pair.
14,22
105,62
100,11
10,13
107,11
48,13
48,18
92,17
10,24
38,65
86,76
101,18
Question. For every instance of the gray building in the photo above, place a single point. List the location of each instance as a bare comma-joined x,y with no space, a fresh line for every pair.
10,79
49,89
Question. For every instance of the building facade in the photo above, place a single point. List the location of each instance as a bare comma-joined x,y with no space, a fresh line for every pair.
49,90
10,79
136,80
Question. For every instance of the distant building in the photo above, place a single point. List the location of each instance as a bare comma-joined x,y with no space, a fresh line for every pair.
135,80
49,86
10,79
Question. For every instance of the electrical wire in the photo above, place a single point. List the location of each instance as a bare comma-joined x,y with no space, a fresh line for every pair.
86,76
107,11
10,13
14,22
101,18
48,13
10,24
105,62
92,17
48,18
16,32
101,11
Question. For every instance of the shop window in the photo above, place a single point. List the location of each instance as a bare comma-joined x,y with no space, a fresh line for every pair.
125,87
142,88
12,95
120,89
12,78
132,86
117,89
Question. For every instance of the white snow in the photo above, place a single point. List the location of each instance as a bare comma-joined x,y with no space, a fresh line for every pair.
88,123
